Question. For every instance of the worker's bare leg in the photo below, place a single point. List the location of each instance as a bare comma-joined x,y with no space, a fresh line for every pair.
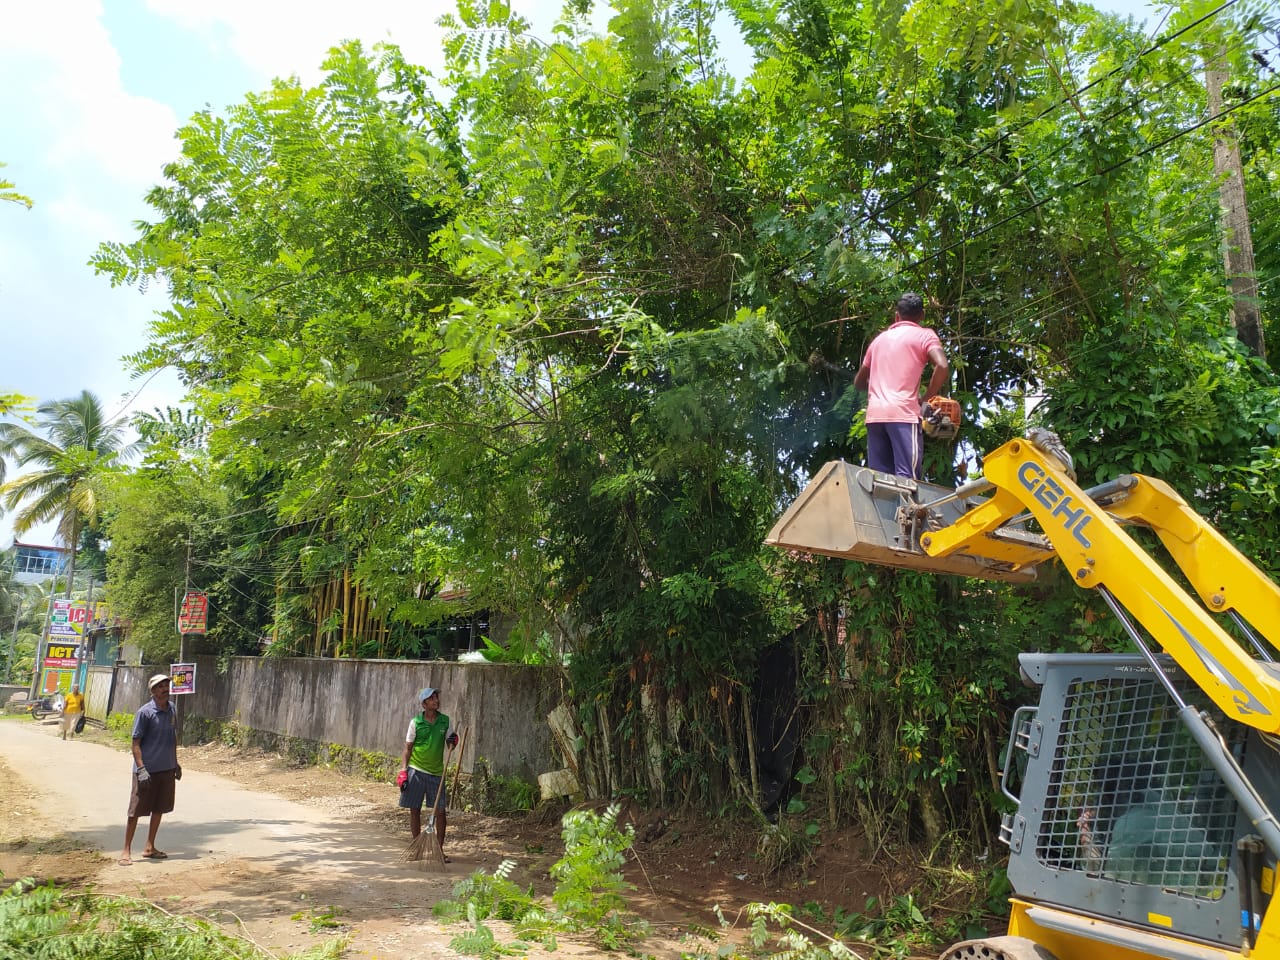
415,821
129,828
152,829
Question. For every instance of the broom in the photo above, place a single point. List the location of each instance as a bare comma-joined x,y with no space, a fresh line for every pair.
424,845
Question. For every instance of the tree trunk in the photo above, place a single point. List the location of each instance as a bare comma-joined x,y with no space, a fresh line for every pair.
1237,238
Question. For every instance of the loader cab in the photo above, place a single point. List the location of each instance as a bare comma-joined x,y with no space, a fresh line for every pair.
1123,829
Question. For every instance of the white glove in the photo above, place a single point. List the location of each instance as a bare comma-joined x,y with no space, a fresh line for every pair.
143,776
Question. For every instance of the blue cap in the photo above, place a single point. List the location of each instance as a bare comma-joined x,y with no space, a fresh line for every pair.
427,692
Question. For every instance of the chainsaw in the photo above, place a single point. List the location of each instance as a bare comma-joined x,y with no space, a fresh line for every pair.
940,418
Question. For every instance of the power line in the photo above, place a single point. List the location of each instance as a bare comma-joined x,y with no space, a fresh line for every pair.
1080,183
797,261
1066,99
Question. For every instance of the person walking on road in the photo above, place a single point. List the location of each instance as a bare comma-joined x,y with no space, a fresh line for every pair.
72,710
423,764
890,373
155,767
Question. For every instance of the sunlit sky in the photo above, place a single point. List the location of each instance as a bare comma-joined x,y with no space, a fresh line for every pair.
91,94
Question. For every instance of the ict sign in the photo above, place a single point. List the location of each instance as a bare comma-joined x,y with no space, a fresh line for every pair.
60,655
67,619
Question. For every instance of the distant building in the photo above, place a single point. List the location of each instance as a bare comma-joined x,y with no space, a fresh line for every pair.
33,563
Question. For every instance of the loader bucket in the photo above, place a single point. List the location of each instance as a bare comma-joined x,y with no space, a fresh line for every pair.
854,512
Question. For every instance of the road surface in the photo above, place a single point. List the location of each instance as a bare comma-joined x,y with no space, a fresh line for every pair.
284,870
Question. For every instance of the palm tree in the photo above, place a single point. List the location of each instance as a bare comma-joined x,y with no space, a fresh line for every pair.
74,450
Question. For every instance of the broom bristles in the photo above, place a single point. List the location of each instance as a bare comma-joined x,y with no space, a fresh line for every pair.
418,846
424,848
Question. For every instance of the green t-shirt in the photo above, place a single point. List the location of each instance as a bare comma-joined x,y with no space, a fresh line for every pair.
428,743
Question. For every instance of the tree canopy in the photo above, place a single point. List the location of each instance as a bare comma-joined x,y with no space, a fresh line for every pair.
570,322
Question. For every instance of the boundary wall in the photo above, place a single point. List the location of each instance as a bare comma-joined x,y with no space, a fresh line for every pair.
366,705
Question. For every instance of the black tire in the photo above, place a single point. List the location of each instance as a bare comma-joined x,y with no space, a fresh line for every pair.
998,948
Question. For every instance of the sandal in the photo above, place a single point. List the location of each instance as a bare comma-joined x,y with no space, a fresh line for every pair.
156,855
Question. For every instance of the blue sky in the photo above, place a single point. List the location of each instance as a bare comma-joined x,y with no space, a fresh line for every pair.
91,92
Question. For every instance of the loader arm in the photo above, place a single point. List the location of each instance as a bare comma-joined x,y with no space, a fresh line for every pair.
1172,756
1225,579
1098,552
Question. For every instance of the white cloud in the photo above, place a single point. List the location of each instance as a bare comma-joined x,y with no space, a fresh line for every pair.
278,39
78,104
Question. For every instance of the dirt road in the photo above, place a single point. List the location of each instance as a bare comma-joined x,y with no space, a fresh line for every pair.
287,873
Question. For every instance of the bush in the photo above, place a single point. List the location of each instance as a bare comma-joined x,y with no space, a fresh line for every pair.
120,726
495,795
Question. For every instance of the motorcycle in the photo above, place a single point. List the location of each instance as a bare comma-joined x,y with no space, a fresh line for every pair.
44,707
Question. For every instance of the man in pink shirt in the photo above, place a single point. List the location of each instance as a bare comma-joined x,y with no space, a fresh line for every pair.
890,373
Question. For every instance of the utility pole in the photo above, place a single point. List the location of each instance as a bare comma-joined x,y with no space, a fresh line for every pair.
1237,251
44,640
13,639
84,638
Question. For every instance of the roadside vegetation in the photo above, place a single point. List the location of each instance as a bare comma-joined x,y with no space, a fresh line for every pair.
42,921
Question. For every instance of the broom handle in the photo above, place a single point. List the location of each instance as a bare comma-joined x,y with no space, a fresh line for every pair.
440,789
457,771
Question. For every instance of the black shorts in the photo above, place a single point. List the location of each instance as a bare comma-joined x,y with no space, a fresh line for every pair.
155,795
421,789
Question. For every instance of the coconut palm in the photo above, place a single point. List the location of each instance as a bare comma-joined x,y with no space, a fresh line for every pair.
70,454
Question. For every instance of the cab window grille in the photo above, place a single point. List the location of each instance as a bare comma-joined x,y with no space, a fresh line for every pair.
1131,797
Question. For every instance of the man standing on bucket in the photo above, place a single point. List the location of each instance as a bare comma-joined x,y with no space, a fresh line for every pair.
423,762
155,767
890,373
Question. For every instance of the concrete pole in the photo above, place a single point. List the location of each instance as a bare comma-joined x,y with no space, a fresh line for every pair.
44,640
84,639
13,639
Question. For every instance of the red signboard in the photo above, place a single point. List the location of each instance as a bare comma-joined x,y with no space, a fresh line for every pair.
194,615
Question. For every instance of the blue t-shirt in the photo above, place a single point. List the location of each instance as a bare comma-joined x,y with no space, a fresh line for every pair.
156,731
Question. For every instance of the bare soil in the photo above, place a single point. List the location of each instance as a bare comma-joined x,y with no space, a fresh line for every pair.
686,872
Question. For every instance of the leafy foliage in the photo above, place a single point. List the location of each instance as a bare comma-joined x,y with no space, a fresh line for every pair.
46,922
558,332
7,192
587,896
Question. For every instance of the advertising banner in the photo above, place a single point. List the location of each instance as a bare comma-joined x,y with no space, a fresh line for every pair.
60,654
54,680
193,616
67,619
182,678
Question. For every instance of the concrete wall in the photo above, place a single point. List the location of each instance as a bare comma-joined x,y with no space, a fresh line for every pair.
367,704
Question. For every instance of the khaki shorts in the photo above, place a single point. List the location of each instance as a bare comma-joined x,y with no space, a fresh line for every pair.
155,795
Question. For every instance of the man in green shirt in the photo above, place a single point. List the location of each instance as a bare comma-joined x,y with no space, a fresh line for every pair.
423,763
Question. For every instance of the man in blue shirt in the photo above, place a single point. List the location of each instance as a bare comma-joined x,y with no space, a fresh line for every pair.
155,767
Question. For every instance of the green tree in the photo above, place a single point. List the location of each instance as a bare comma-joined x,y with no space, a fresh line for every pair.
7,192
572,334
67,459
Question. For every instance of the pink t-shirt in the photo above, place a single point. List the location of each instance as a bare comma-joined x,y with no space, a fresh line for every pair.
897,358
